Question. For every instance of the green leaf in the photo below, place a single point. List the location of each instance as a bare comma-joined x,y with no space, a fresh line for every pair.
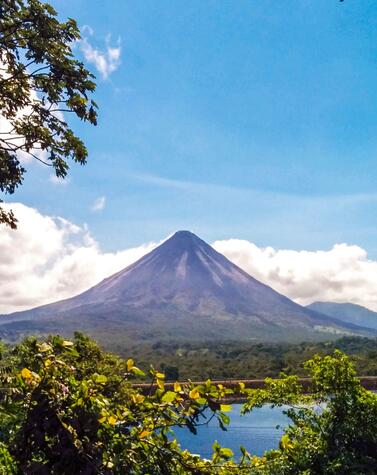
224,418
216,446
137,372
226,453
201,400
130,364
169,396
100,378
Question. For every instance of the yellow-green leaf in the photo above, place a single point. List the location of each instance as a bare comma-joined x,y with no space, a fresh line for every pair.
137,371
160,384
100,379
43,347
194,394
138,398
67,343
169,396
26,373
226,453
285,442
130,364
112,420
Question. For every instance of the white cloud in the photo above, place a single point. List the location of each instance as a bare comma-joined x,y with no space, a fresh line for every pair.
341,274
99,204
105,61
11,140
48,259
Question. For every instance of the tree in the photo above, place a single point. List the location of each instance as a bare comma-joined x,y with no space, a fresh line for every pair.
40,82
333,430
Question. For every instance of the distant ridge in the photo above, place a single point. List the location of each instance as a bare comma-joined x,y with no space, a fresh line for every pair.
183,289
347,312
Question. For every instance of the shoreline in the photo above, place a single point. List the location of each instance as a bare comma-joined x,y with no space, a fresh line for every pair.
368,382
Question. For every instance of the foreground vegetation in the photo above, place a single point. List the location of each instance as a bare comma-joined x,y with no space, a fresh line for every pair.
69,407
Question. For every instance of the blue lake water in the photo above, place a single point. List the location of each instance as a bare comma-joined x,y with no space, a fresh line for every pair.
256,431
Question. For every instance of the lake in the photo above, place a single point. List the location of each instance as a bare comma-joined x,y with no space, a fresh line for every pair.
256,431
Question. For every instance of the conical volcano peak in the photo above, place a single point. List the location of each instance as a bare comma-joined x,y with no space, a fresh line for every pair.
182,288
185,241
184,232
184,235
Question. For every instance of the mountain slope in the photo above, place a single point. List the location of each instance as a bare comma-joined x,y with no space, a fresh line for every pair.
182,289
347,312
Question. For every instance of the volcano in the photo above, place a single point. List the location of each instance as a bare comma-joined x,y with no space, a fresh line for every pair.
183,289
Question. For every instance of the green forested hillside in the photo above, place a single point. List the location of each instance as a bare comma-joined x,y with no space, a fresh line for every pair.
229,359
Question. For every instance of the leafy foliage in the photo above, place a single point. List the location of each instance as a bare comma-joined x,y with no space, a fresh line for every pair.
39,80
68,407
72,410
333,430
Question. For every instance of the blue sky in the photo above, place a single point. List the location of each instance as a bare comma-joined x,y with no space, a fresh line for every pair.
252,119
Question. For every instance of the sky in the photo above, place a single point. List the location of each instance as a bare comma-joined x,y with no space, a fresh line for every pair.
245,122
